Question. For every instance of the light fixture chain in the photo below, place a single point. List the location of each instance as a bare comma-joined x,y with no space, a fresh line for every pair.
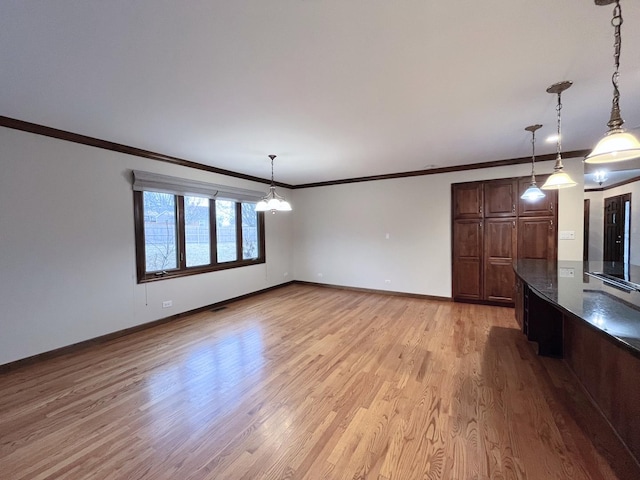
533,146
616,121
558,109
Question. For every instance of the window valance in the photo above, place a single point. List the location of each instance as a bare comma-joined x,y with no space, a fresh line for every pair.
155,182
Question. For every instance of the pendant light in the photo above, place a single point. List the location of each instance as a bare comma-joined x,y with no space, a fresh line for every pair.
533,193
617,144
559,178
600,176
272,201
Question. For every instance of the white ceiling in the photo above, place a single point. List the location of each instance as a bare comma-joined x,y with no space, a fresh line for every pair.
336,88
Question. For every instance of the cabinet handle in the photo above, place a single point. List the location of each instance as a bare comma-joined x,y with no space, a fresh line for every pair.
550,224
513,209
513,223
551,207
481,210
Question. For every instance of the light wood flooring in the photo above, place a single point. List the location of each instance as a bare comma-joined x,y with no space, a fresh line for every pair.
308,383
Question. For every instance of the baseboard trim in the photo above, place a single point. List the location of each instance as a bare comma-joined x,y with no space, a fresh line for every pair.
372,290
40,357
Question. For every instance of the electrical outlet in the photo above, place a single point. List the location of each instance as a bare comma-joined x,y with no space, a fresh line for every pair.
387,281
566,272
286,274
167,303
319,275
566,235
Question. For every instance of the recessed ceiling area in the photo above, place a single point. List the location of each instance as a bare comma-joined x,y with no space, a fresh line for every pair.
336,89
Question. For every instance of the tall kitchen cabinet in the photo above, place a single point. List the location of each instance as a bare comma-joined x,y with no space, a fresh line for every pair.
492,227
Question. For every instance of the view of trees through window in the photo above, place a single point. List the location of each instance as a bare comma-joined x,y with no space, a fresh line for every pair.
160,231
178,232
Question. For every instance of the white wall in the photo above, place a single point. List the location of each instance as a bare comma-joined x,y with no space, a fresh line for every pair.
340,230
67,256
596,225
596,220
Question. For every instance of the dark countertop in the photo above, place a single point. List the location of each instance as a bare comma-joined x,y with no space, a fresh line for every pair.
610,310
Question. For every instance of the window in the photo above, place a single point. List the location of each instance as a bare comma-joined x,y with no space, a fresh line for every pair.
184,234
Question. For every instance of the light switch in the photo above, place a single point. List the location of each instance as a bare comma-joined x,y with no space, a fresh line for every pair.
567,235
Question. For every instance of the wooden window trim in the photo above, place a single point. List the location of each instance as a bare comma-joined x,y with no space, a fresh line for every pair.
183,270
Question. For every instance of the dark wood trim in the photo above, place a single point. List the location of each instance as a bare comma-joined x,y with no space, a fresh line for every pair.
585,245
213,232
118,147
58,352
239,239
455,168
373,290
181,233
182,270
138,226
614,185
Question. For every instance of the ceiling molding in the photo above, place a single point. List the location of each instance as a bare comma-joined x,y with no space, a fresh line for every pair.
117,147
454,168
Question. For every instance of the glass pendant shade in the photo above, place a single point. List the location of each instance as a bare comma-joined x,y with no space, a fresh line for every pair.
272,201
559,178
532,193
615,147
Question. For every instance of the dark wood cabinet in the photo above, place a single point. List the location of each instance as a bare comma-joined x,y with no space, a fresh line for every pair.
500,198
520,303
542,207
537,238
492,227
499,254
467,200
467,256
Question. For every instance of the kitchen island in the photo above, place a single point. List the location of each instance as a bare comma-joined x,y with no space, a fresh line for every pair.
589,315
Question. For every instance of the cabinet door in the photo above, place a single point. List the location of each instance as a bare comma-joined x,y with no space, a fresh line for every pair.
537,238
467,200
467,260
519,301
500,198
499,254
542,207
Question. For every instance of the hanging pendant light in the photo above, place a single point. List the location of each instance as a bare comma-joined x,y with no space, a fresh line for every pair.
533,193
272,201
559,178
617,144
600,176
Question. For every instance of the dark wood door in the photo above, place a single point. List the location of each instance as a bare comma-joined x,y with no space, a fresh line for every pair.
500,198
585,236
467,200
616,227
543,207
467,259
499,253
537,238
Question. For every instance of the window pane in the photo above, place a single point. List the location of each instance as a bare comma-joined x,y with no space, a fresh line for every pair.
160,231
226,230
196,231
249,231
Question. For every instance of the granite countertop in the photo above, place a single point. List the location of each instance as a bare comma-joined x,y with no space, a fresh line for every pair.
608,309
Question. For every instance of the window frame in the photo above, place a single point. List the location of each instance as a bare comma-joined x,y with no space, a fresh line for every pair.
182,270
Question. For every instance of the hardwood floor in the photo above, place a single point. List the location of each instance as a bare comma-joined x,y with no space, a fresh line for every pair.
308,383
